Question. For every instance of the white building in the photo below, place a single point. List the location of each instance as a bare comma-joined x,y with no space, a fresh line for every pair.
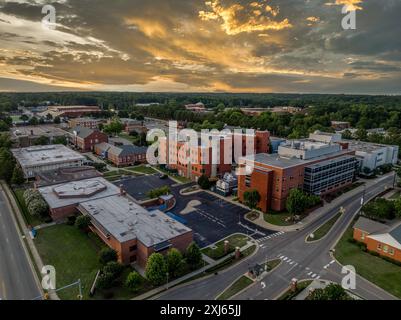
34,160
374,155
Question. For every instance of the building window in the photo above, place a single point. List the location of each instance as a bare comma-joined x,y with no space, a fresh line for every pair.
132,248
385,249
132,258
379,246
363,236
391,251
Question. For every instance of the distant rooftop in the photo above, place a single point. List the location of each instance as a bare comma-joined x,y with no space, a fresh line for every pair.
75,192
277,161
43,155
65,175
37,131
126,220
366,146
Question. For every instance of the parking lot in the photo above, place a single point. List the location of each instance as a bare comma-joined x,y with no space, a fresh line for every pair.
212,218
138,187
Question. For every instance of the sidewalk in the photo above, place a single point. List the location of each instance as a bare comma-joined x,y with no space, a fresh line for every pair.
24,230
211,264
319,212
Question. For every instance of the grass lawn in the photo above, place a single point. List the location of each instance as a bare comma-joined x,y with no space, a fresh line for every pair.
278,218
29,219
142,169
73,254
121,292
396,195
235,288
289,295
253,215
270,265
324,229
236,240
375,269
182,180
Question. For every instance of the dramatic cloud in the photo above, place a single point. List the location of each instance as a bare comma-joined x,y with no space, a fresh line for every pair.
188,45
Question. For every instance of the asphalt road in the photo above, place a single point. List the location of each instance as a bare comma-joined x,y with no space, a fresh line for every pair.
17,280
300,260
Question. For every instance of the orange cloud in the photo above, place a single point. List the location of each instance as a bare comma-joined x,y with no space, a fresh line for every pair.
237,18
352,5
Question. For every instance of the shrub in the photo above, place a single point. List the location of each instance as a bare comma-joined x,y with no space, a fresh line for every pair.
82,222
155,193
31,194
114,268
134,281
71,220
105,281
204,182
193,256
156,269
174,260
38,207
106,255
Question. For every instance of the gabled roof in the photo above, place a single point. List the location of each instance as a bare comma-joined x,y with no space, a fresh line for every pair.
370,226
82,132
396,233
127,150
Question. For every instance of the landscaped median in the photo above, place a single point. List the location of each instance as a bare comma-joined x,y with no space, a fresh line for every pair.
324,229
218,250
290,294
382,273
246,281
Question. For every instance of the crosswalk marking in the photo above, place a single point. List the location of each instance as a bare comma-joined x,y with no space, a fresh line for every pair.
270,236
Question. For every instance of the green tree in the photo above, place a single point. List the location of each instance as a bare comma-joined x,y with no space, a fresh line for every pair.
83,222
156,269
115,127
4,127
252,198
204,182
296,202
134,281
60,140
193,255
18,176
397,207
33,121
106,255
57,120
331,292
113,267
174,260
105,281
7,164
24,118
38,207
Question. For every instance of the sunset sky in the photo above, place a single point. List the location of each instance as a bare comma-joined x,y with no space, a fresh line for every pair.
202,46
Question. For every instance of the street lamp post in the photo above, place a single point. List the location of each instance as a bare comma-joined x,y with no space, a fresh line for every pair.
167,280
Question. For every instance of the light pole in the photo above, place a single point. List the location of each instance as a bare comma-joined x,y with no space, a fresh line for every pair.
167,281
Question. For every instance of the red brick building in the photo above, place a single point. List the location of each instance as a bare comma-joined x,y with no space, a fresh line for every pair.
214,158
84,122
297,167
71,111
379,238
85,139
122,156
133,231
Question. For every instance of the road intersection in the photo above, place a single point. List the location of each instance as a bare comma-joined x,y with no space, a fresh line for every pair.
300,260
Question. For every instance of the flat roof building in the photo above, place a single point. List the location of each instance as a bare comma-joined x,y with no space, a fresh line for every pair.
25,136
133,231
374,155
37,159
308,165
